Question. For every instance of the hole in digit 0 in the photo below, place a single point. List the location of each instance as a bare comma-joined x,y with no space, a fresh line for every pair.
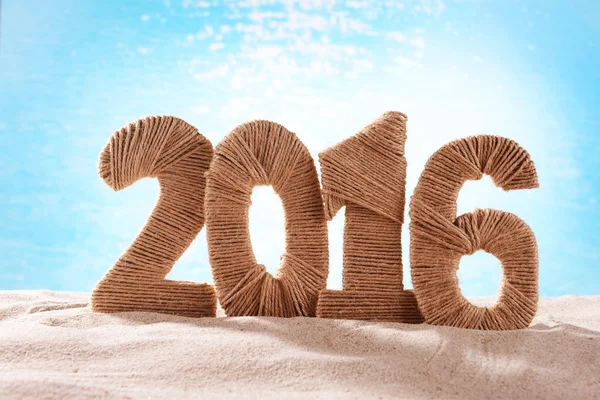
267,227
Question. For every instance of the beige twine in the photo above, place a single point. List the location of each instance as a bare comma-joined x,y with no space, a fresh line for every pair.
367,174
173,151
439,239
265,153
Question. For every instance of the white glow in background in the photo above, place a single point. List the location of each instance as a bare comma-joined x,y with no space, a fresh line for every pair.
323,69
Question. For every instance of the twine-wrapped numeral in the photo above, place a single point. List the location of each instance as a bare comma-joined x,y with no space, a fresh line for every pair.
367,174
173,151
265,153
439,239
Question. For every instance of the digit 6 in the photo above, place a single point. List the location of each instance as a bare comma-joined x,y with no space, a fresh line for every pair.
439,239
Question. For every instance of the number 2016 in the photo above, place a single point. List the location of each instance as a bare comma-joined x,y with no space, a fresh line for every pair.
366,173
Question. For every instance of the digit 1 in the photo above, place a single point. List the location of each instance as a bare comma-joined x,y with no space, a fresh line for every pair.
367,174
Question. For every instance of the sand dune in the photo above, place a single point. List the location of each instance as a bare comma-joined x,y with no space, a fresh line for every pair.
52,346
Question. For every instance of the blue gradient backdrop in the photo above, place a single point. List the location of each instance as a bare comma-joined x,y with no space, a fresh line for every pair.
72,72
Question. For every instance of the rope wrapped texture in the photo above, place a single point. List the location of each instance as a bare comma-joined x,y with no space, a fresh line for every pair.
173,151
265,153
367,174
439,239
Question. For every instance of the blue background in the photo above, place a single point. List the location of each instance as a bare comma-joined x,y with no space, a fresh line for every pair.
73,72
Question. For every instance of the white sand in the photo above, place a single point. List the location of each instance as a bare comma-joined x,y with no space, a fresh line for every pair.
52,346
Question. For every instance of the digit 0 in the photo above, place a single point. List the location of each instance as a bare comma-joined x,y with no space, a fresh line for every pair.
439,239
265,153
367,174
173,151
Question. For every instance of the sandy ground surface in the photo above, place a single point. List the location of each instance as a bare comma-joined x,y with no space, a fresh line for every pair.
53,346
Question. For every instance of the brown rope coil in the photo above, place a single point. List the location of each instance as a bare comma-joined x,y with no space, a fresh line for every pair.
263,153
439,239
173,151
367,174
